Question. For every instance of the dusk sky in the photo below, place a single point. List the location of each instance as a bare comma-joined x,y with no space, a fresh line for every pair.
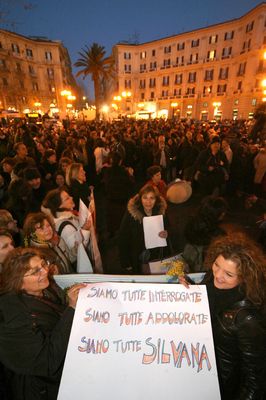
82,22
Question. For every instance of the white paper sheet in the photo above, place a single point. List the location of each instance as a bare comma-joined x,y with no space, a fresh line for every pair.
152,227
83,261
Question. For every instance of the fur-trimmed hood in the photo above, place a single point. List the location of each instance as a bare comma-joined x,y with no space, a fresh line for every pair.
137,212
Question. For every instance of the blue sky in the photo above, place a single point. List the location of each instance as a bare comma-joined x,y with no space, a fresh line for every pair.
82,22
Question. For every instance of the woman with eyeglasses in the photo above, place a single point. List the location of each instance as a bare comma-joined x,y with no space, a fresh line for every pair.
35,324
39,231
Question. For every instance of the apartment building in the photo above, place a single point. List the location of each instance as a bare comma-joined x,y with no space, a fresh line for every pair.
33,72
212,72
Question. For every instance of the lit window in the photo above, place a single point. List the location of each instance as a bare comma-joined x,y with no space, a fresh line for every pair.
143,55
213,39
211,55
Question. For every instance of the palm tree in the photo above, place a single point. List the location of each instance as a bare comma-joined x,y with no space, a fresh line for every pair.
93,62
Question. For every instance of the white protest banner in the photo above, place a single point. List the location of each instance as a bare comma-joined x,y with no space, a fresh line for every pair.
140,341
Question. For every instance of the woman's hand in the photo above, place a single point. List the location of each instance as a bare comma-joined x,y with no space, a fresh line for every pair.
163,234
72,294
182,280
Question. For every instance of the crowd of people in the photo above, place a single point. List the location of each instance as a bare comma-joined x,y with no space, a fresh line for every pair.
125,168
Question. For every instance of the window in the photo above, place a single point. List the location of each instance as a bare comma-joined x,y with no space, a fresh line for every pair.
207,89
262,66
195,43
213,39
227,51
127,83
18,67
142,68
2,64
127,56
178,79
211,55
180,46
48,56
152,95
29,53
194,58
142,55
153,53
167,49
15,48
50,73
242,68
180,60
246,45
221,89
250,26
229,35
164,93
152,83
35,86
190,91
192,77
177,92
142,83
127,68
208,75
1,46
165,80
142,96
239,85
31,70
167,63
223,73
153,65
5,82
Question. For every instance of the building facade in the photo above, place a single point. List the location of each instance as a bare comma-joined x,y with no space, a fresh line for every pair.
213,72
33,73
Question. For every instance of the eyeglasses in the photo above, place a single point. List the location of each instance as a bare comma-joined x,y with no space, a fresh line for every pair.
36,271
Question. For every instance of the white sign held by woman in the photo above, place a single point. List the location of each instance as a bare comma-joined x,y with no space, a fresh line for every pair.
140,341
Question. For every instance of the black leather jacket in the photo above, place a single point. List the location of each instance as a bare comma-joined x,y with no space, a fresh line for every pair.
239,333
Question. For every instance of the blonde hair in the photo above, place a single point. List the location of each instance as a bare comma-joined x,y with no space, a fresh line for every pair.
72,172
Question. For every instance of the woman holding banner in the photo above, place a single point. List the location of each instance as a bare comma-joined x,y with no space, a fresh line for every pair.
133,253
236,285
35,324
